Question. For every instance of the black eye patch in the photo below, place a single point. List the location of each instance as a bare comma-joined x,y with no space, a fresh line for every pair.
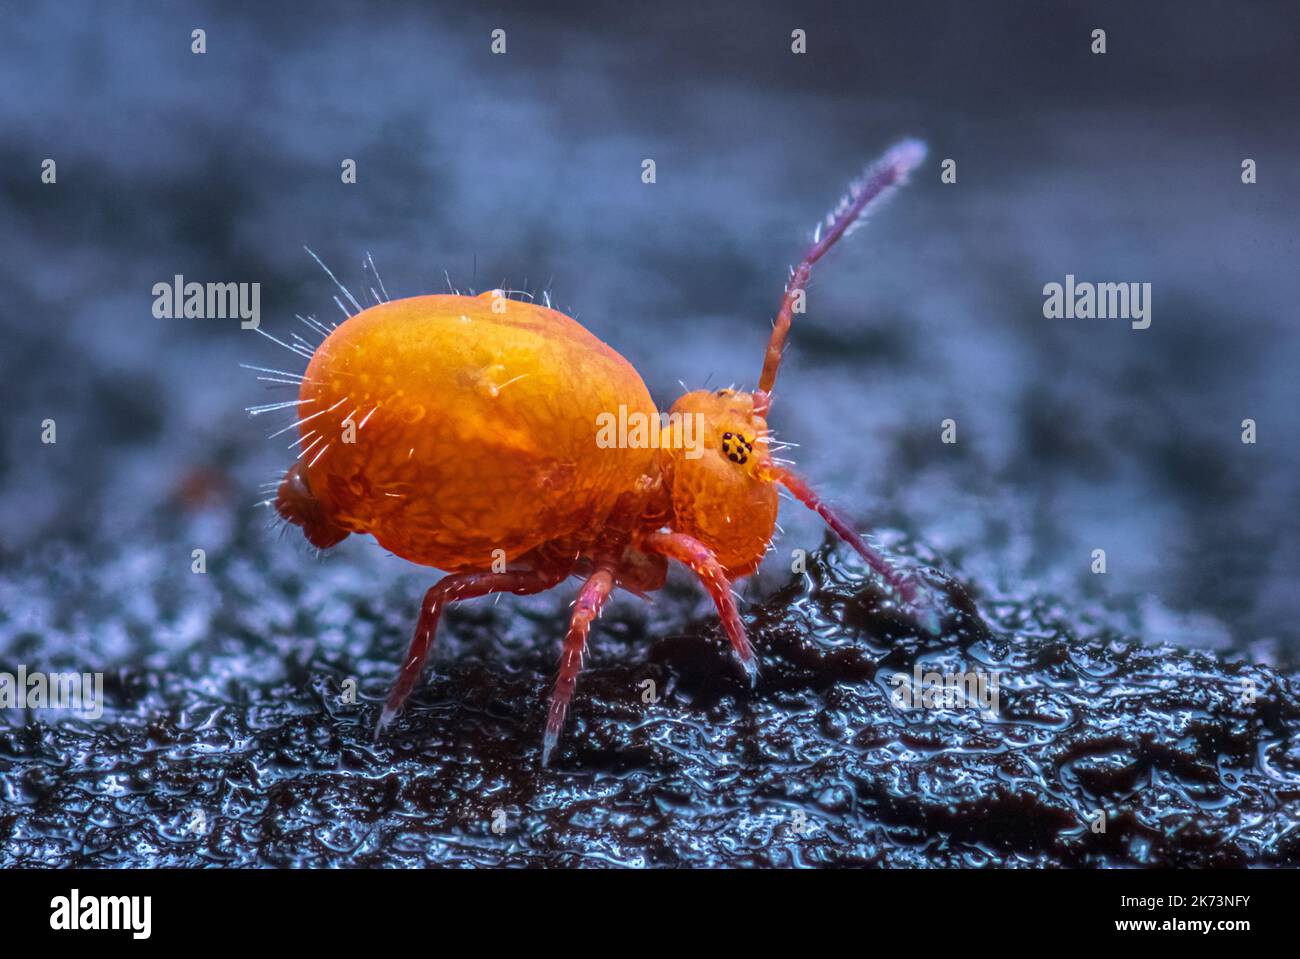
737,447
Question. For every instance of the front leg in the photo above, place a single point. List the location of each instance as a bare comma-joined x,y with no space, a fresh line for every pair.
449,589
702,561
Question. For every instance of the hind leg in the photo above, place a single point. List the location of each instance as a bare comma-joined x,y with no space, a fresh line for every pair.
591,600
449,589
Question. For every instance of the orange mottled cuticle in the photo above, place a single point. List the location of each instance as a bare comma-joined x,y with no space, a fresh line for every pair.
474,429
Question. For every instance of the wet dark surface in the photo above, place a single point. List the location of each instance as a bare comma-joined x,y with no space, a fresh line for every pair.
817,766
225,736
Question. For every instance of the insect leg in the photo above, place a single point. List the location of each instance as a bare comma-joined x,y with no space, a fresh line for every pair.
590,601
704,564
886,173
906,587
449,589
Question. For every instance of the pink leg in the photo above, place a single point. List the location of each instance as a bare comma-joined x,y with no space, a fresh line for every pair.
590,601
691,552
449,589
905,587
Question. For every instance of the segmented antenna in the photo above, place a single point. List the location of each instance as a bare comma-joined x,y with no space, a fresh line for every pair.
877,182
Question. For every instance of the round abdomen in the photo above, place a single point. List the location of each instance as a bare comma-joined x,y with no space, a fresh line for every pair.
450,431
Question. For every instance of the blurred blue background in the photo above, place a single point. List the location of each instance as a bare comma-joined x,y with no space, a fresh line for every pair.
524,169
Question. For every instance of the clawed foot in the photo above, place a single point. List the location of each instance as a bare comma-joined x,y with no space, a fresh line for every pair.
386,717
750,666
919,602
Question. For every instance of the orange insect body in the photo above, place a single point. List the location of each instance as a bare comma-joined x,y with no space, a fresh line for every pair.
479,427
465,433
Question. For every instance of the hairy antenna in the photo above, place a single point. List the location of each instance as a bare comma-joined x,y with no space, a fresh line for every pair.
878,181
